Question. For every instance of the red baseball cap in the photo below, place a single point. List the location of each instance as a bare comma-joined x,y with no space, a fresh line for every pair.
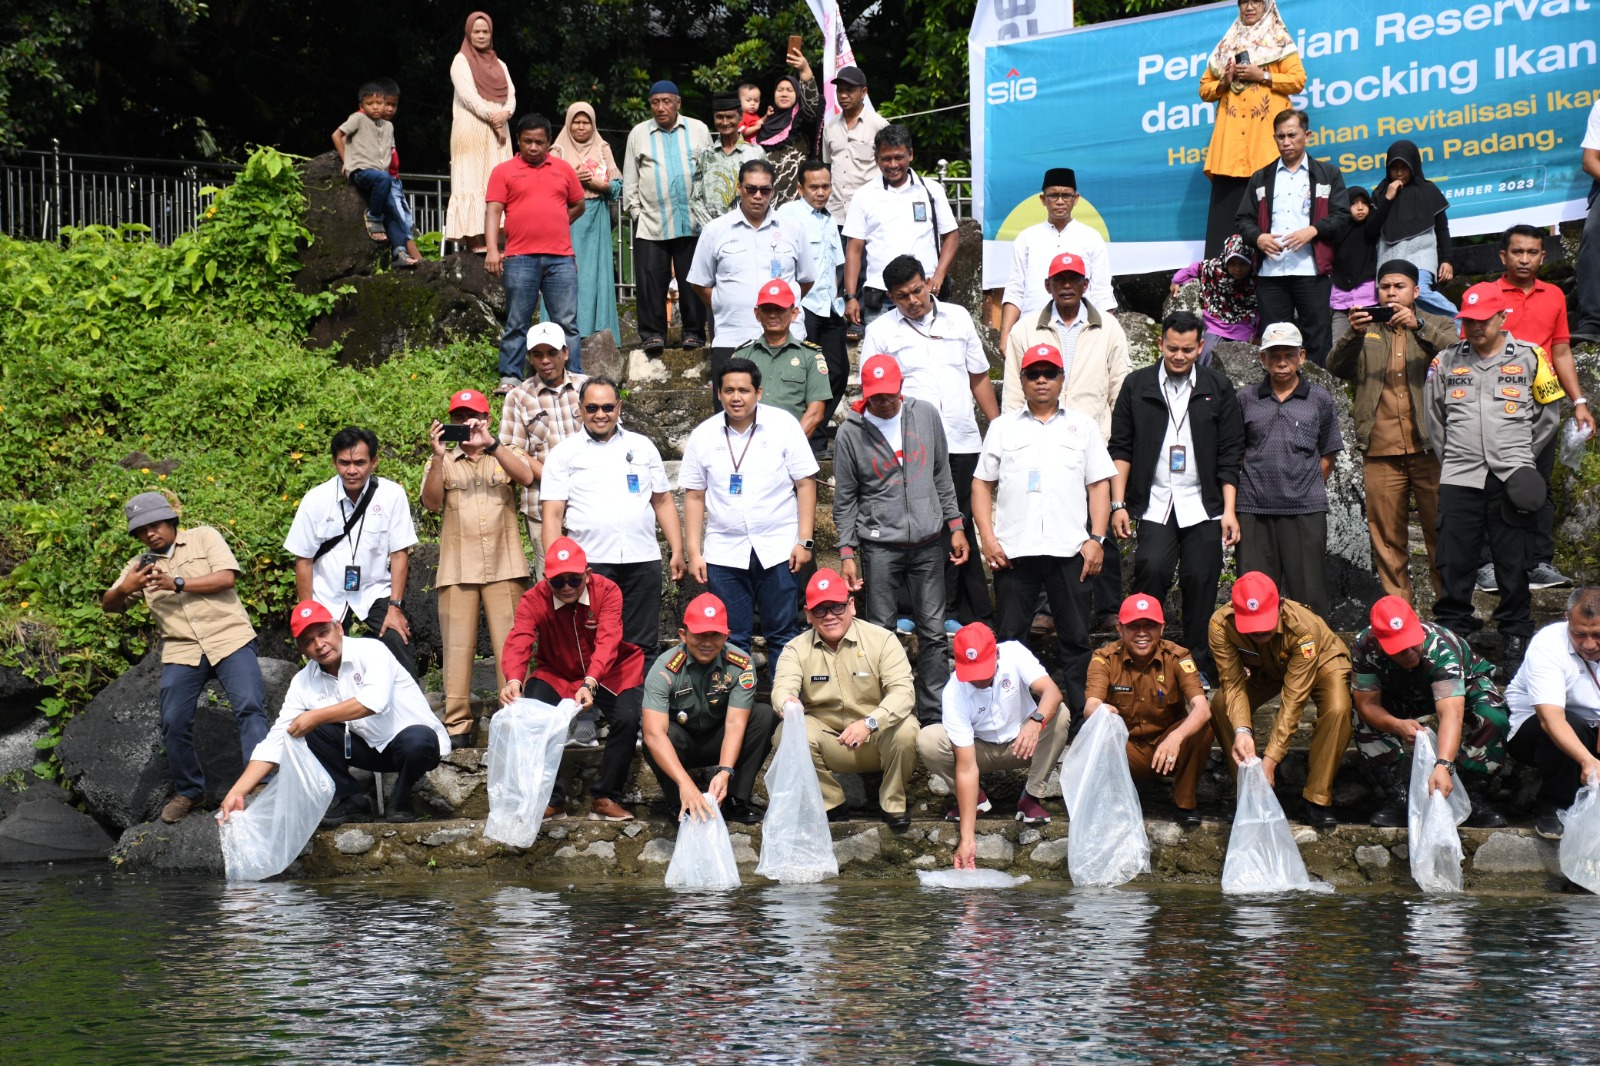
1141,608
1396,625
306,614
880,374
777,293
564,557
825,586
976,653
470,400
1067,263
1042,353
1255,603
705,614
1484,300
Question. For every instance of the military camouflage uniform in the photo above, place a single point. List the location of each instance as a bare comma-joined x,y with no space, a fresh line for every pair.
1449,668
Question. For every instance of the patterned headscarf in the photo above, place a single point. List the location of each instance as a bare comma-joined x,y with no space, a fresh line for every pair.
1267,41
1224,298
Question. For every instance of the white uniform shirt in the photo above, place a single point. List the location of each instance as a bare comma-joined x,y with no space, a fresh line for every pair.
1044,470
1591,132
763,515
385,528
995,714
1183,489
369,673
735,259
1291,210
1554,674
607,488
936,357
1035,248
898,222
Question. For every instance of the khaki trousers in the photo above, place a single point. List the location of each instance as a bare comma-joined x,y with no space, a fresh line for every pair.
939,755
535,550
458,632
892,751
1193,754
1391,481
1329,737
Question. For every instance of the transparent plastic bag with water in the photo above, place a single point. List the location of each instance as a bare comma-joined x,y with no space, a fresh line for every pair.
1262,855
796,845
1580,837
1106,842
969,879
1574,437
264,838
1432,839
526,738
703,855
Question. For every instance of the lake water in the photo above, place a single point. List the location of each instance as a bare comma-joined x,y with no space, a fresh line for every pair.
104,969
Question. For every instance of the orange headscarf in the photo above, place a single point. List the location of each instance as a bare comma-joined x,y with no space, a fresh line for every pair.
487,74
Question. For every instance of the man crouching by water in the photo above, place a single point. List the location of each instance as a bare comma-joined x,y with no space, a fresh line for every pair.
355,706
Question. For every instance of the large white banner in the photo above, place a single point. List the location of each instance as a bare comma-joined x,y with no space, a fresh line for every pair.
998,22
836,51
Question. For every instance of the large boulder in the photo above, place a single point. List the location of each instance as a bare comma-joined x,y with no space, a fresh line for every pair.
192,846
112,752
44,830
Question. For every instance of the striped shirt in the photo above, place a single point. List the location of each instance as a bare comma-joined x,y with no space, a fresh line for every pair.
1068,336
536,417
658,177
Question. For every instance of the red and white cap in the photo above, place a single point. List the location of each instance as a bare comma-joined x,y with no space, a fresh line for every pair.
880,375
976,654
1067,263
706,614
470,400
306,614
1255,603
775,293
564,557
1042,353
1141,608
1396,625
1484,300
825,586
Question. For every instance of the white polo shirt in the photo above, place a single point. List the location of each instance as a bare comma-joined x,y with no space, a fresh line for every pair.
937,357
1554,674
1035,248
369,673
607,486
1044,470
763,515
995,714
385,528
735,259
898,221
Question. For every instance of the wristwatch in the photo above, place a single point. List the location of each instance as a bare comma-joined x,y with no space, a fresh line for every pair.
1036,716
1099,539
1119,507
722,770
399,605
807,544
492,447
177,584
872,723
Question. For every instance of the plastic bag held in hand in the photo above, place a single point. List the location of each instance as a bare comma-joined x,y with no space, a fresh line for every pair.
1262,856
1106,843
703,856
1580,837
1432,840
796,846
969,879
1574,436
525,743
264,838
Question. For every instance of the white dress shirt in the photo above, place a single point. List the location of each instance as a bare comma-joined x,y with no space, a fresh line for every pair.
995,714
607,486
368,673
735,259
1291,210
898,221
1036,246
827,254
1166,488
385,528
937,356
1554,674
1044,470
763,516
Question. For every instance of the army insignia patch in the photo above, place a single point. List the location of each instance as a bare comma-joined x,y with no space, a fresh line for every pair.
747,680
1308,649
676,662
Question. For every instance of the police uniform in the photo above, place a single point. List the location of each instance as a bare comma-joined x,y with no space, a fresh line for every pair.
1303,659
696,699
1152,701
793,374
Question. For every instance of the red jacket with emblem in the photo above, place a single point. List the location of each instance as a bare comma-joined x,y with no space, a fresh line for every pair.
568,643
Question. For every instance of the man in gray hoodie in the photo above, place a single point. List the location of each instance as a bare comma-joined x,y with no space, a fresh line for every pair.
893,497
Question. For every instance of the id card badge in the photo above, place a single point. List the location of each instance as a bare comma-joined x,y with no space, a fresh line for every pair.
352,579
1035,481
633,484
1177,459
775,268
347,740
735,484
919,212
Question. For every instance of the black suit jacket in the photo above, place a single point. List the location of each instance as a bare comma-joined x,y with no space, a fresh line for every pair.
1139,425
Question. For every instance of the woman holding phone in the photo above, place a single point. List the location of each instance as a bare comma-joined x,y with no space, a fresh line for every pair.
789,129
1250,76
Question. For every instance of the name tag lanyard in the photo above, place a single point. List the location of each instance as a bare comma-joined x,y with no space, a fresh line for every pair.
736,479
1177,454
352,573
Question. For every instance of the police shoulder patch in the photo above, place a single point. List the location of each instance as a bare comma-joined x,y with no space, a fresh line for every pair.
737,658
675,663
1433,368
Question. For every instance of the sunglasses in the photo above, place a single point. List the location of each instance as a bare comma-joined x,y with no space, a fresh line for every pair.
566,581
828,610
595,408
758,190
1045,373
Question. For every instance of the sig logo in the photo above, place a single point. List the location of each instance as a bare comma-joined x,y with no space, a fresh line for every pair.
1015,87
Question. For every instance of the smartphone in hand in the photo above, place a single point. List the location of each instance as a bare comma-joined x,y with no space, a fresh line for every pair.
459,432
794,42
1378,312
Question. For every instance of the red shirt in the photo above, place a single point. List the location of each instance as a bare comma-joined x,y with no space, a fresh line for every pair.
1536,317
574,641
536,201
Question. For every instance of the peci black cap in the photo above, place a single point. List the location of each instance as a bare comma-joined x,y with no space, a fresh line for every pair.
725,102
1060,176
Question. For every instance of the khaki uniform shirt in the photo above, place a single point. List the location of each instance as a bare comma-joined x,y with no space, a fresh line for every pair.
480,541
792,375
868,674
1300,648
196,624
697,697
1150,700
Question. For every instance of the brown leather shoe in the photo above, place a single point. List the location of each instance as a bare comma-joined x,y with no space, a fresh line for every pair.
177,808
556,810
1043,625
606,809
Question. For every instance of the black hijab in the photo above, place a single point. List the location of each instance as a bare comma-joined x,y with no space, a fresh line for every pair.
1418,204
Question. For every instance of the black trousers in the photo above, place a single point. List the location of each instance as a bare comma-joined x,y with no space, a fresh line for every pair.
391,640
1016,588
1559,779
705,749
1466,518
654,265
621,710
717,358
641,602
1304,301
1195,555
413,752
1224,209
829,334
1288,548
966,592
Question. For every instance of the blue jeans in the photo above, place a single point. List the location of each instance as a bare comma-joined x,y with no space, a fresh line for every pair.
240,674
399,205
1430,298
774,589
526,278
374,186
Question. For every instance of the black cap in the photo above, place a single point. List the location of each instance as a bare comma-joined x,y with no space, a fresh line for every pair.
1525,493
725,102
1400,266
1060,176
850,76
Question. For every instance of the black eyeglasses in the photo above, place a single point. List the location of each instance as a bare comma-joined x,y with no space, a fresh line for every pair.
1046,373
828,610
566,581
595,408
758,190
1061,197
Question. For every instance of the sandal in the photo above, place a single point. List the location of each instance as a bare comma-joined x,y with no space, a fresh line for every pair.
375,230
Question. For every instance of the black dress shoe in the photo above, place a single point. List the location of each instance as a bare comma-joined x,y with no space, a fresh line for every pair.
897,820
460,740
734,810
400,816
350,809
1548,824
840,813
1319,817
1187,818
